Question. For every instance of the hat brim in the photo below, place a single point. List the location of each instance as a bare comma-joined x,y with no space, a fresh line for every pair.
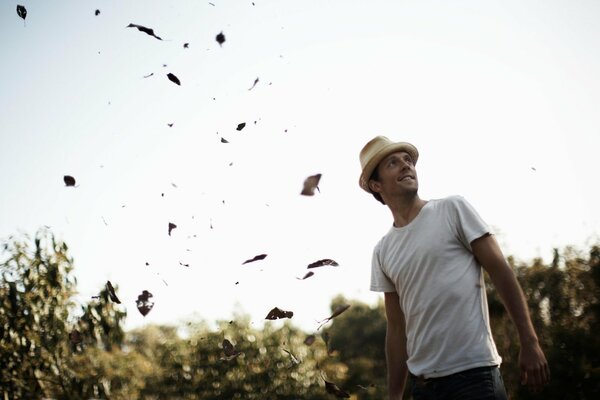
380,155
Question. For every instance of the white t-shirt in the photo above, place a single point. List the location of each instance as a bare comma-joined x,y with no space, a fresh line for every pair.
440,284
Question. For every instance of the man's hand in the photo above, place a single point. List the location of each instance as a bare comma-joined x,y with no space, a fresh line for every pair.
535,372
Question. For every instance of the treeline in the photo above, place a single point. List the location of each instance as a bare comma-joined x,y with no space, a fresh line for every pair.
46,353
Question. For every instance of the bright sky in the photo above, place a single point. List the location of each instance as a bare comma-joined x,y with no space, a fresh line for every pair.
501,98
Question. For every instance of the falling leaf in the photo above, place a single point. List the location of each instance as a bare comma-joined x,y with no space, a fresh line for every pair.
310,184
186,45
533,169
69,180
320,263
97,12
175,186
143,302
141,28
173,79
223,140
171,227
255,258
278,313
240,126
111,293
170,125
21,11
307,275
220,39
212,4
337,311
372,385
310,339
184,265
333,389
292,356
254,84
230,351
75,336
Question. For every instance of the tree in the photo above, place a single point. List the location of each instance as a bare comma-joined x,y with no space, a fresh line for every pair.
41,343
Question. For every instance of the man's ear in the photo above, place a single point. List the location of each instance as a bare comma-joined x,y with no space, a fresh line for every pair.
374,185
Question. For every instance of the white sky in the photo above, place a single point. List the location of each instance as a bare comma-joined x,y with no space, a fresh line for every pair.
501,98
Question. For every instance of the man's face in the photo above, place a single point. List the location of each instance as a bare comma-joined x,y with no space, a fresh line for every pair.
397,176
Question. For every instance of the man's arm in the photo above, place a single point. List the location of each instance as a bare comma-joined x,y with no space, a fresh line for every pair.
395,346
534,367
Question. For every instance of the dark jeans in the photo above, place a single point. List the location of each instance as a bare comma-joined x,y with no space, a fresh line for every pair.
473,384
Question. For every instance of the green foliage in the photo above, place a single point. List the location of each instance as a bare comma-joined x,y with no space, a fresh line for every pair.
47,352
357,339
36,305
563,300
273,362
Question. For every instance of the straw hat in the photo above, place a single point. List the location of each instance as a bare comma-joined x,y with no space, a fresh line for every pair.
376,150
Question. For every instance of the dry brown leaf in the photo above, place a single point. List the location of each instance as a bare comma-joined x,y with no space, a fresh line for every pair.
255,258
307,275
229,350
111,293
337,311
143,302
333,389
75,336
310,184
69,180
325,261
277,313
310,339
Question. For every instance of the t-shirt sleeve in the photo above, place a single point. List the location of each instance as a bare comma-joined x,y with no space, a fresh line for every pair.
469,225
379,280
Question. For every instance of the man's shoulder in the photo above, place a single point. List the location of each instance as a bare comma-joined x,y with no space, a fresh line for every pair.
451,201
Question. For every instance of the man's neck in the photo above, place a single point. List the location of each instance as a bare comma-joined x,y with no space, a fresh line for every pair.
405,210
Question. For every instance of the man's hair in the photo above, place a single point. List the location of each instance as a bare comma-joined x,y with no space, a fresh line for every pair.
375,176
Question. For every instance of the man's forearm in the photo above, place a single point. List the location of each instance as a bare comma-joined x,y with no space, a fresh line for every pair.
514,301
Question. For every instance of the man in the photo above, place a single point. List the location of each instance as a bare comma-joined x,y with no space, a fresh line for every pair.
429,265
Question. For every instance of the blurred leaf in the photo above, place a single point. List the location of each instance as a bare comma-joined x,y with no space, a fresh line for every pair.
310,184
148,31
255,258
240,126
75,336
309,340
307,275
254,84
171,227
220,38
69,180
143,302
320,263
333,389
292,356
229,350
277,313
338,310
111,293
22,11
173,79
